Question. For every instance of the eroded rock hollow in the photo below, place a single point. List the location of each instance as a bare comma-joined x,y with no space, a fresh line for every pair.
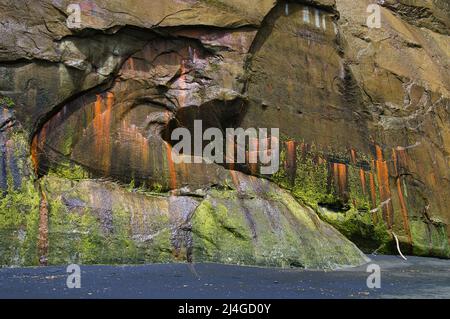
89,104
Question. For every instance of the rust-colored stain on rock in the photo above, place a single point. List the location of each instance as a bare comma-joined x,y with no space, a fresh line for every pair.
340,179
172,170
383,186
291,159
401,160
362,178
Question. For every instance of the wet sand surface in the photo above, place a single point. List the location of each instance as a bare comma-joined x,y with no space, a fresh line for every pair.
415,278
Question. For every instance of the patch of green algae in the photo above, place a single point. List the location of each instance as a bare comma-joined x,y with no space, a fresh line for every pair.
82,229
92,235
6,102
310,181
19,224
354,218
360,229
219,235
77,235
69,171
80,237
19,207
429,239
271,231
321,246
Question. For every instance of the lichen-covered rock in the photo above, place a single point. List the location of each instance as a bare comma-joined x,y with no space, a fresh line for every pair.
261,224
253,222
19,199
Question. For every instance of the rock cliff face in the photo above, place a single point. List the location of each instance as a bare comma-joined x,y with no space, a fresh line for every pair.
89,105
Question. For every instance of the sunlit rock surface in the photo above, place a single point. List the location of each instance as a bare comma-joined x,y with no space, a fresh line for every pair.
86,168
252,222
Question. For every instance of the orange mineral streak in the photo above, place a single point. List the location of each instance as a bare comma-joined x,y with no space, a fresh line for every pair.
172,171
379,153
373,195
403,208
291,154
383,185
362,177
140,150
394,160
335,173
353,155
107,132
98,123
340,177
145,152
291,159
102,130
342,172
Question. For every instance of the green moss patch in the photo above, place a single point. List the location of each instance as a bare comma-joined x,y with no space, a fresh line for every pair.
19,225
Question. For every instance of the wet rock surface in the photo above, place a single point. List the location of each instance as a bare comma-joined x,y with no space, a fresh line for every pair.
87,113
417,278
252,223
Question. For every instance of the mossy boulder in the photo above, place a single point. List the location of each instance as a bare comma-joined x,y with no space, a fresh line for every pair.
261,224
251,222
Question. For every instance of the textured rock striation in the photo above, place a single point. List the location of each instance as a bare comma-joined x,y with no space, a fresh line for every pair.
86,167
